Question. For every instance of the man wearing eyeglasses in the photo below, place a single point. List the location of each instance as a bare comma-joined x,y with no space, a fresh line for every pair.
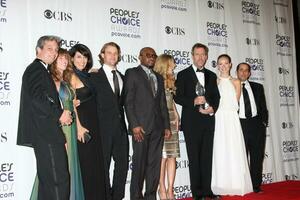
147,114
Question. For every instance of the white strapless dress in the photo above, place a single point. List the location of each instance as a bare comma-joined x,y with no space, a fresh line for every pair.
230,169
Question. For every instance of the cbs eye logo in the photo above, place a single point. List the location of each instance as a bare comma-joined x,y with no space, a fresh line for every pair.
214,63
168,30
216,5
174,30
48,14
58,15
282,70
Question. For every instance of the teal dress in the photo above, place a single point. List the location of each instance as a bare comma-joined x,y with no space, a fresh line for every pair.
66,96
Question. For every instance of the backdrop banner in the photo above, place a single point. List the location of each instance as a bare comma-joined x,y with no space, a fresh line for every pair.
259,32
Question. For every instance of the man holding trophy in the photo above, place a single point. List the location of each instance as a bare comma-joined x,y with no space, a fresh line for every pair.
197,93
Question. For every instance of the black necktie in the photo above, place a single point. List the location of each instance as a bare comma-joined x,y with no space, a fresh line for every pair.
152,82
116,83
200,70
248,112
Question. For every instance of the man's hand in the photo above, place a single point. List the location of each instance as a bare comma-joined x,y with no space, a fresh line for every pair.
199,100
66,118
167,134
209,110
266,124
138,133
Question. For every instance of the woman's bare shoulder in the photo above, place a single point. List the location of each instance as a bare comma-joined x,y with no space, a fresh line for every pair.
235,81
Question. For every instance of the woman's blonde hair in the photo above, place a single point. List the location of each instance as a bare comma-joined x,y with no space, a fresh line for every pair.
162,65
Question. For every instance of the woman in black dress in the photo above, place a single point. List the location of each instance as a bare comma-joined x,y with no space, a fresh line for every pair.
90,151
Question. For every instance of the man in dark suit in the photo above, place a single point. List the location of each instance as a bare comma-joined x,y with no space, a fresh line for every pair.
108,83
254,120
198,122
40,118
147,114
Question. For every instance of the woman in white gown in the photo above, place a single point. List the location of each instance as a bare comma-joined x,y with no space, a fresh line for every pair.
230,170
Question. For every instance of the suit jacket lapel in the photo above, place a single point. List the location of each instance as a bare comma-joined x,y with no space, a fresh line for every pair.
143,74
159,82
121,75
105,81
206,79
254,92
51,82
193,75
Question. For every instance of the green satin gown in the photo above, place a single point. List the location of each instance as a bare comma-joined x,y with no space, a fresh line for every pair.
66,96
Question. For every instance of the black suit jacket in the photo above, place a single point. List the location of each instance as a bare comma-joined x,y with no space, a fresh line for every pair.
260,101
142,108
110,110
40,108
185,94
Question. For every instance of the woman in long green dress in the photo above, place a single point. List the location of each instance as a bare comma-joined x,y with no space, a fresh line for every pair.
61,71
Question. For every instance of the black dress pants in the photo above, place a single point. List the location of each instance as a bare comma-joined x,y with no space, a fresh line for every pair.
52,171
255,138
115,146
146,162
199,145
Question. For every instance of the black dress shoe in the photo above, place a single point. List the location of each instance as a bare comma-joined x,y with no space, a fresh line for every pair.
215,197
199,198
257,190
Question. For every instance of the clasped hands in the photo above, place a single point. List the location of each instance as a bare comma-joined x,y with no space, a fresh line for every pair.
200,100
138,133
66,118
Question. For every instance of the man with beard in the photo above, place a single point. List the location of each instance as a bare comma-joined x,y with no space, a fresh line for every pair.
198,120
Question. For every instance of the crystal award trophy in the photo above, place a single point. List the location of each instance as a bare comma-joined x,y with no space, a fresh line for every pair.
200,91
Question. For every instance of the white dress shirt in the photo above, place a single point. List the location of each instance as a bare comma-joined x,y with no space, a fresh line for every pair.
108,72
200,76
201,79
45,65
252,101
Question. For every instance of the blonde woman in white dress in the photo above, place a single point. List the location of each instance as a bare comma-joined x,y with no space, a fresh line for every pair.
230,170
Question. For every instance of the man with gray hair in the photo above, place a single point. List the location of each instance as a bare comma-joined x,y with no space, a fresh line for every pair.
40,120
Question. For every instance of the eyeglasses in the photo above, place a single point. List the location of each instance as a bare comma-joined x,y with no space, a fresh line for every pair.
148,55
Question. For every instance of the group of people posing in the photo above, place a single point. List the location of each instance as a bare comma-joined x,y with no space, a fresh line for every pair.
73,117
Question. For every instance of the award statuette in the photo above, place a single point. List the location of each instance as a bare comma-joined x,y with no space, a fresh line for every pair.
200,91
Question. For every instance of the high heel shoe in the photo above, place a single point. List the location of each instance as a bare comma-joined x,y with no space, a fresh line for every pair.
162,194
170,197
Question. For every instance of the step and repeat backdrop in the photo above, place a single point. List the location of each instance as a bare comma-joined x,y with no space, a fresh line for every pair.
259,32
